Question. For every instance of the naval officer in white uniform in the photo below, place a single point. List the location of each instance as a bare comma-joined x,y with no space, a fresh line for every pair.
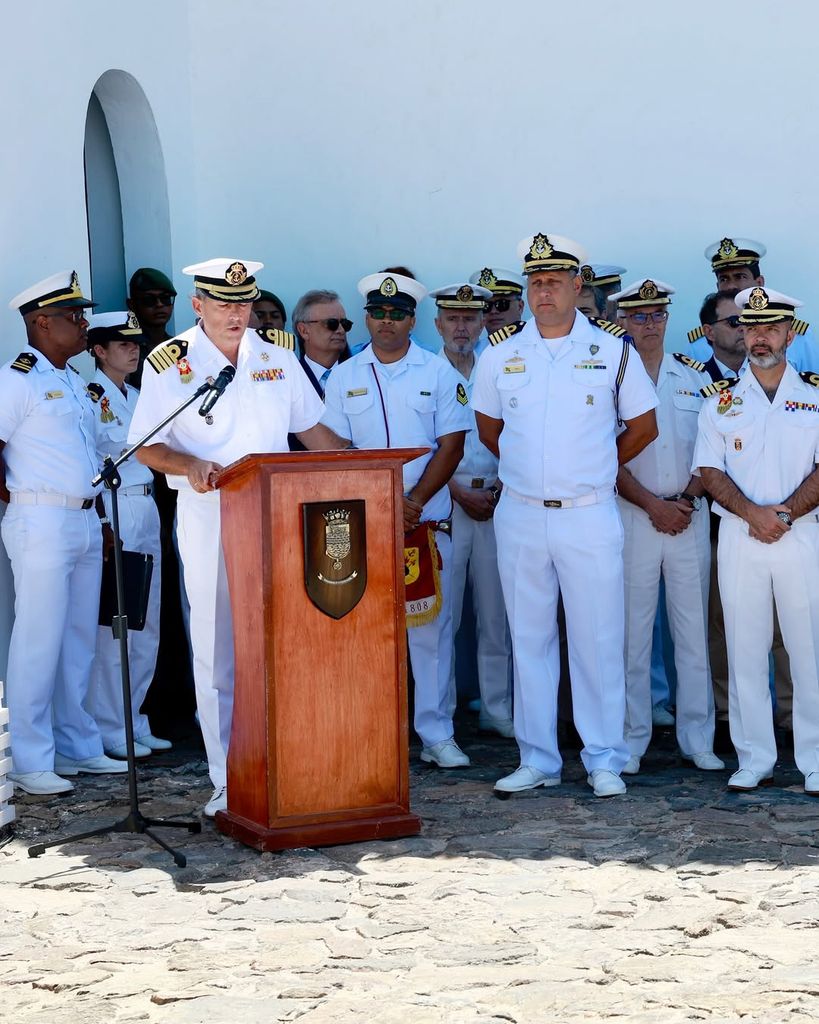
53,537
757,450
269,397
548,398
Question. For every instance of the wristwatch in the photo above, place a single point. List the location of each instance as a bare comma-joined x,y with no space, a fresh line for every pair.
495,492
785,517
693,500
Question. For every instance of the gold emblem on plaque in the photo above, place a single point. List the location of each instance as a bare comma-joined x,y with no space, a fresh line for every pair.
586,274
337,535
649,290
236,273
758,299
465,294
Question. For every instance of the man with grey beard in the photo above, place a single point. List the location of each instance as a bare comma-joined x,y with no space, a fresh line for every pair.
757,450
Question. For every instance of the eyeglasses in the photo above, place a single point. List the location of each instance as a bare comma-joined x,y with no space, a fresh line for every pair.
76,316
732,321
659,316
154,298
332,323
501,305
396,315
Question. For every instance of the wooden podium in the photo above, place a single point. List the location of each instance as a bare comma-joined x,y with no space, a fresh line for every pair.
319,747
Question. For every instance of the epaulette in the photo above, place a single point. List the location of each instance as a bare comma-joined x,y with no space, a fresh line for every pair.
696,334
166,355
74,368
695,364
607,326
800,326
718,386
284,339
24,362
810,377
496,337
95,391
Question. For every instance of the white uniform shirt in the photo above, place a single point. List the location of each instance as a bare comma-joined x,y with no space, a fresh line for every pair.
557,405
47,422
664,466
114,411
424,399
478,462
766,448
269,397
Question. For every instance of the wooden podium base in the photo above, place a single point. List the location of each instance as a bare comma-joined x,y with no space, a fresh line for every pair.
294,837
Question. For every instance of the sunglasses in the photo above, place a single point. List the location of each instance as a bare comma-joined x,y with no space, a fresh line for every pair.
154,298
76,316
659,316
732,321
501,305
396,315
332,323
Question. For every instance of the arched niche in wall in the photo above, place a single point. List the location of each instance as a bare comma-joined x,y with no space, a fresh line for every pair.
126,188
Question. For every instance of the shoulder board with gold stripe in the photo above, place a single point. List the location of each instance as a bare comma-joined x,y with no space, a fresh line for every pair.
607,326
718,386
695,364
95,391
810,377
496,337
166,355
696,334
284,339
800,326
24,362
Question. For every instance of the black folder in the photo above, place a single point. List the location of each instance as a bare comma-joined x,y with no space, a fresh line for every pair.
137,568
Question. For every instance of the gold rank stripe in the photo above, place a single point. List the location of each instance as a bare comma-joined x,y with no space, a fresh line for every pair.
227,290
800,326
607,326
696,334
75,293
718,386
695,364
506,332
284,339
167,355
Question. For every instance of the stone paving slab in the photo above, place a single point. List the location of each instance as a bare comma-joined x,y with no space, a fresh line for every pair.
679,902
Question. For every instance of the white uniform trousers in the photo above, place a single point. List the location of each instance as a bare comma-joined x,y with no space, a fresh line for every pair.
139,526
200,545
579,551
56,558
684,564
430,652
6,604
753,575
474,550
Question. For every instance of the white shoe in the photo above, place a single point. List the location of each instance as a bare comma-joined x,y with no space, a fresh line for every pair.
744,780
660,715
525,777
218,802
606,783
101,765
706,761
502,726
121,752
153,742
446,755
812,783
632,766
40,783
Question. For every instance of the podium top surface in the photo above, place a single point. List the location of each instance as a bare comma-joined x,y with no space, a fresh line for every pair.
346,458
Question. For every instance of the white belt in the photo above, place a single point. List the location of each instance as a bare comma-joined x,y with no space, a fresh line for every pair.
592,498
137,489
46,498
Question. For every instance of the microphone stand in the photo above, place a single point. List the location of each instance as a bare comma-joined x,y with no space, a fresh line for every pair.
134,821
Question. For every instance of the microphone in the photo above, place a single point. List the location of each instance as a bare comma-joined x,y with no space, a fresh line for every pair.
216,389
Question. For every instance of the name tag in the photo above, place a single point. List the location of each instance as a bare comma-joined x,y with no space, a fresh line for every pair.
515,368
357,392
53,394
275,374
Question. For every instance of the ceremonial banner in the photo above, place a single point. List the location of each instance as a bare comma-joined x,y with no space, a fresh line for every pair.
335,555
422,575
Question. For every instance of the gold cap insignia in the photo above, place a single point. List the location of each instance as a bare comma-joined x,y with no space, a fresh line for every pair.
236,273
727,249
487,278
75,282
388,288
648,290
465,294
133,323
586,274
758,299
540,248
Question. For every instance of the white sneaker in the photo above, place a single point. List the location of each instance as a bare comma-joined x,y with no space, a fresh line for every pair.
153,742
218,802
446,755
606,783
121,752
660,715
101,765
525,777
706,761
632,766
40,783
502,726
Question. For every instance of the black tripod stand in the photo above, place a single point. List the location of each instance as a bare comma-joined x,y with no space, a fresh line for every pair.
135,821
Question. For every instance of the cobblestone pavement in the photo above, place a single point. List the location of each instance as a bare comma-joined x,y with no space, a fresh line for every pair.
678,902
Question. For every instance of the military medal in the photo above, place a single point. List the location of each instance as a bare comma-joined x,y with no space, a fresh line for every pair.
105,410
594,349
185,371
726,400
209,420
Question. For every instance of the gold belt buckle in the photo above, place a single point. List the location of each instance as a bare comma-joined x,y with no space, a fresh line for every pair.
553,504
477,481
